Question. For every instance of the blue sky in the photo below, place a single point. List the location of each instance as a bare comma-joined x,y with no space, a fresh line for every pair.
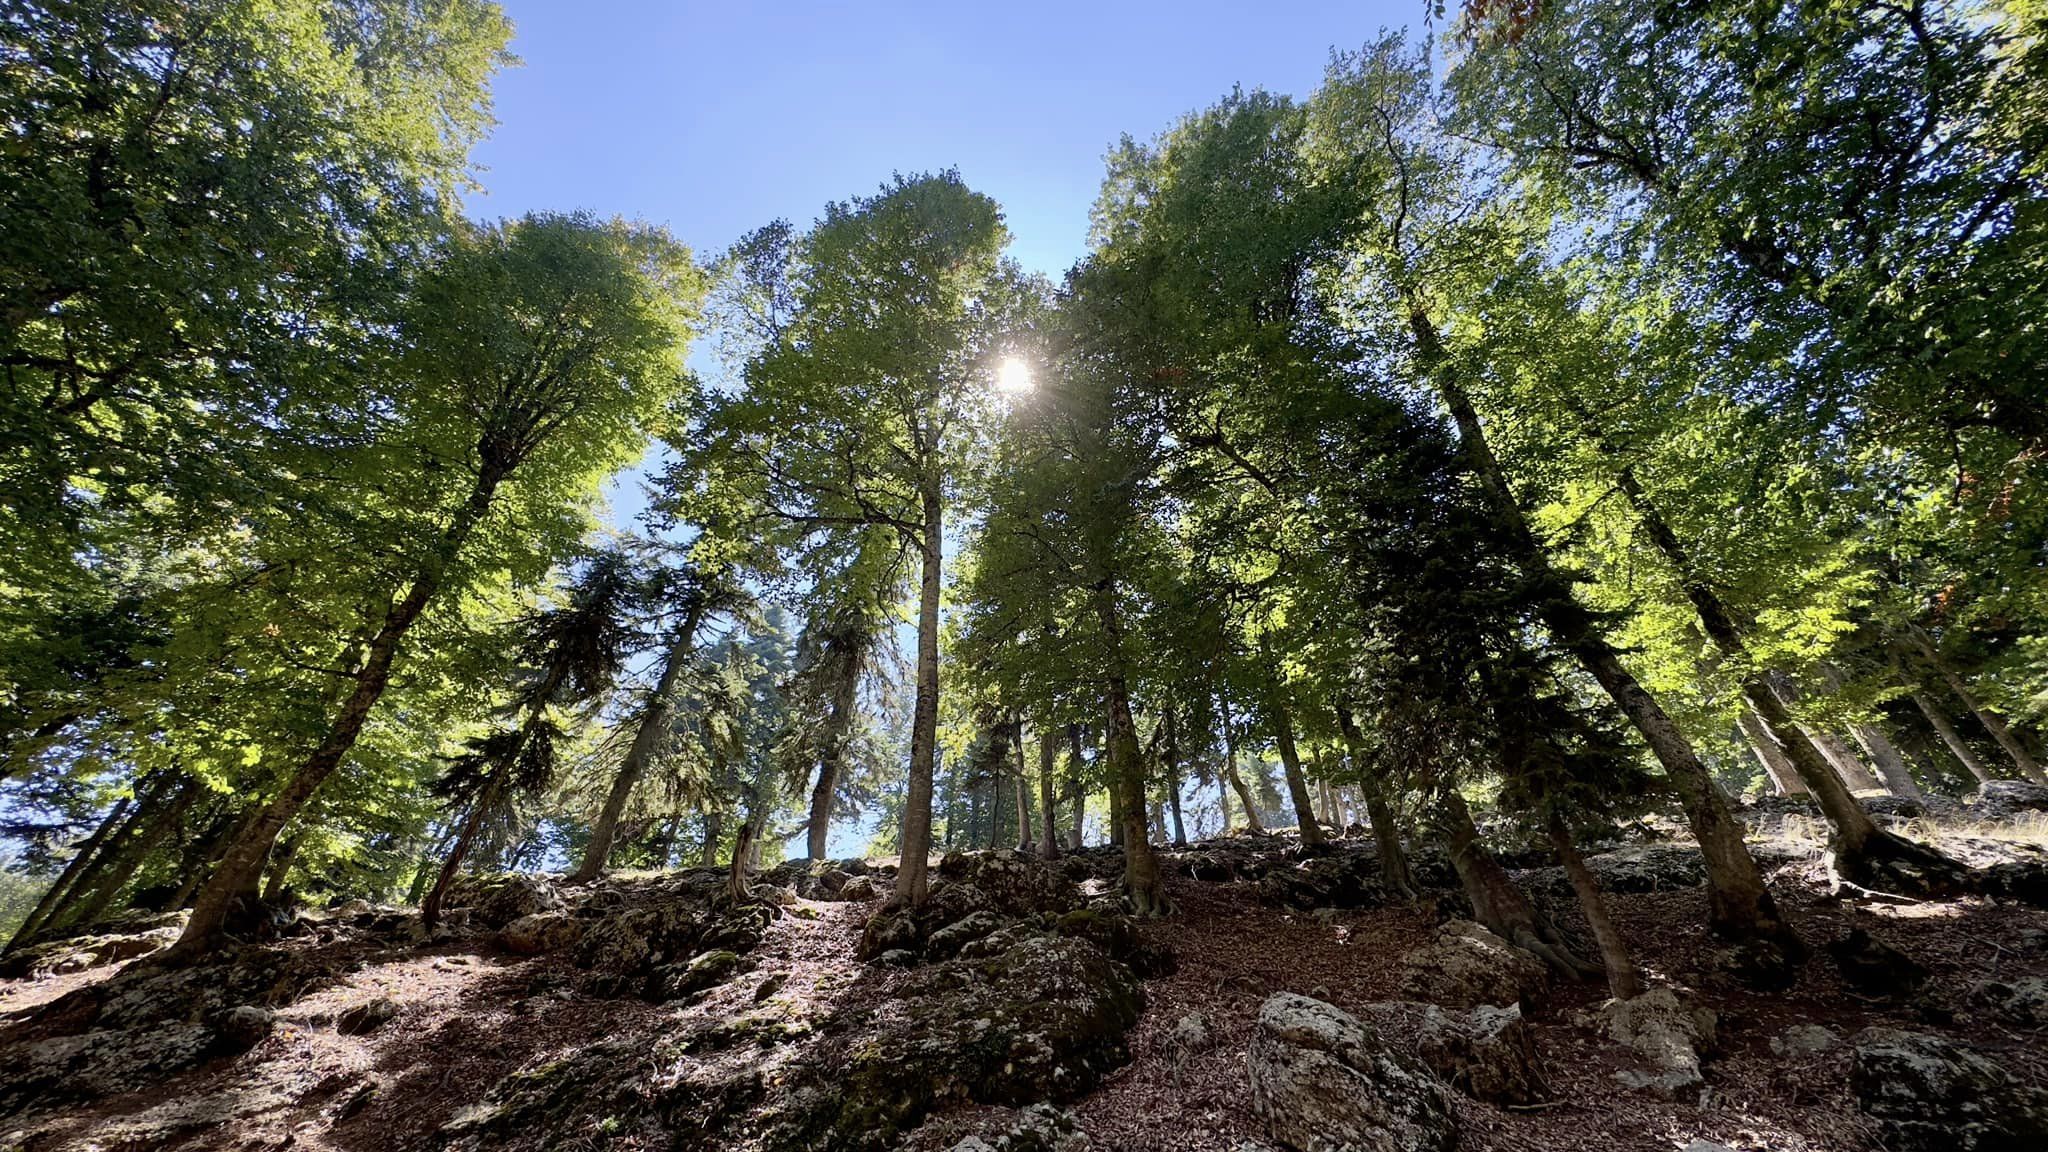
716,118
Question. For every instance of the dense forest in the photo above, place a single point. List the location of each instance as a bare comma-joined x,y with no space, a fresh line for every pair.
1568,420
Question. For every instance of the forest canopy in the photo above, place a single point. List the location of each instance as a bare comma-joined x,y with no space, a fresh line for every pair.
1597,405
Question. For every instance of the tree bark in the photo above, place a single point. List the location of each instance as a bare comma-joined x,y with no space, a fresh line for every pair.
245,857
1497,902
472,822
1891,763
1048,814
281,868
911,881
1144,888
1022,787
1290,763
647,740
1992,721
1624,980
81,860
1938,720
1386,834
1236,780
1078,834
831,762
1777,766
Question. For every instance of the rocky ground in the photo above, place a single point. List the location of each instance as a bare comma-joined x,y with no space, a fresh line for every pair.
1288,1003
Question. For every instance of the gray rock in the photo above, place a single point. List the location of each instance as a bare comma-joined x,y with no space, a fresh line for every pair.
1928,1094
1466,966
245,1026
949,940
367,1017
1805,1040
541,932
1668,1030
1322,1080
1488,1054
1190,1034
2022,1003
2006,799
494,901
860,888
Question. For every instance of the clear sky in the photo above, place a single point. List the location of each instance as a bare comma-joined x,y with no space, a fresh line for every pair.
716,118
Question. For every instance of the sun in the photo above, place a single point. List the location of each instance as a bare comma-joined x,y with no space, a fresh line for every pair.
1013,376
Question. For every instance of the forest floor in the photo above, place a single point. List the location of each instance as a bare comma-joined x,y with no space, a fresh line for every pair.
466,1014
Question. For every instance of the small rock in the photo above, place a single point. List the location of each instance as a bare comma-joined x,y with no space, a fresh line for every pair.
770,986
1668,1030
858,888
1488,1054
541,932
1805,1040
2022,1003
1875,968
1190,1034
367,1017
1322,1079
245,1026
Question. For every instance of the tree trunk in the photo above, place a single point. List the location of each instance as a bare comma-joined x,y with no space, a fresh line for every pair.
1849,767
1496,901
1938,720
647,740
1048,814
1297,784
1739,906
1170,764
1891,763
81,859
152,823
281,868
1023,789
472,822
245,857
714,832
1624,981
911,883
1143,886
1992,721
1386,834
1236,780
1777,766
1079,831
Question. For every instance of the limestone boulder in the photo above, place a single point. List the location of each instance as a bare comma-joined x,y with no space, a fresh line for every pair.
1466,966
1323,1081
1929,1094
1488,1054
541,932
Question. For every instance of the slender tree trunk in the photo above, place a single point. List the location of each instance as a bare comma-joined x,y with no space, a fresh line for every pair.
1937,719
1784,778
838,728
281,868
647,740
1143,885
81,859
1891,763
1236,780
472,822
1497,902
1022,785
1992,721
911,883
1739,905
246,855
1079,831
1048,814
714,833
1624,980
1170,763
1849,767
153,822
1297,784
1386,834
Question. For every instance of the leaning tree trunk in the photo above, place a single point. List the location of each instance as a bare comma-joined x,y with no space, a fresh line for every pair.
281,868
916,839
1624,980
123,861
1891,763
1992,721
1778,766
1048,814
1739,906
647,740
480,810
1297,784
1236,781
245,857
81,859
1937,719
1386,834
1496,901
